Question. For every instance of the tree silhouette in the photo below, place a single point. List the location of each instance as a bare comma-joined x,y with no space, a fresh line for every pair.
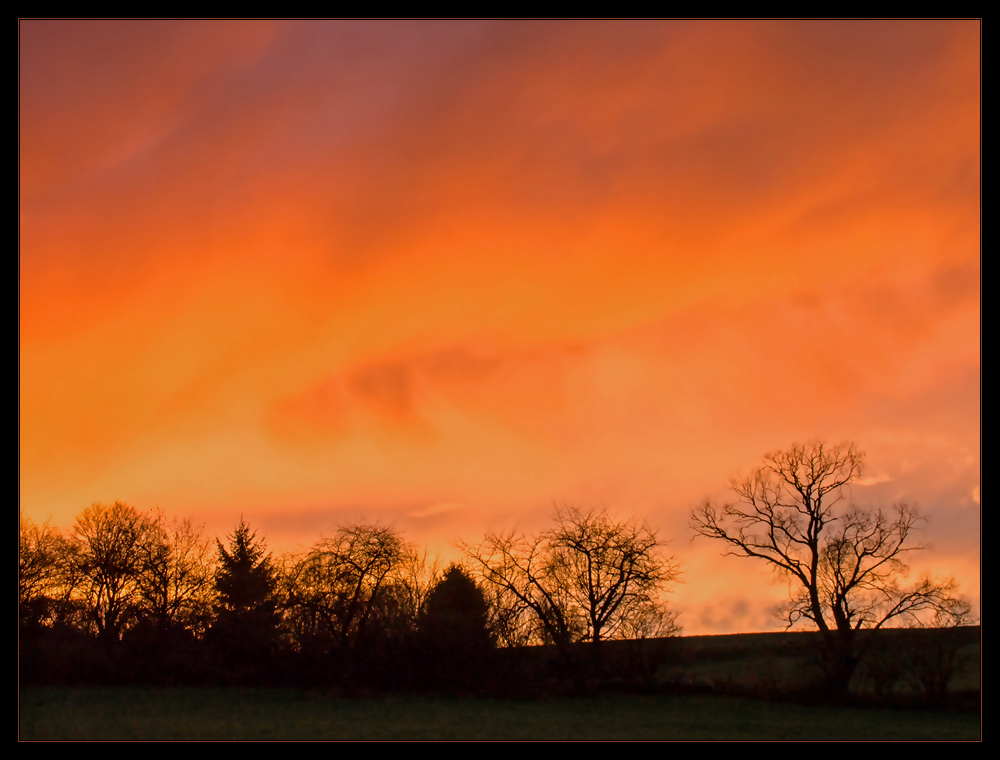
41,572
612,571
535,607
246,622
110,550
350,604
346,583
454,633
456,613
591,577
844,564
177,583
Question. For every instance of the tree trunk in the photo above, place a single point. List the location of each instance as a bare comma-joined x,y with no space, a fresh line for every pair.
839,659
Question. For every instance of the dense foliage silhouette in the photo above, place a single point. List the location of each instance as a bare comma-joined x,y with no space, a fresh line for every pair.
455,636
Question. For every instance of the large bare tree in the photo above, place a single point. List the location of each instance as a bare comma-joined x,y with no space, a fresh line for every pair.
110,549
178,581
845,564
590,577
338,588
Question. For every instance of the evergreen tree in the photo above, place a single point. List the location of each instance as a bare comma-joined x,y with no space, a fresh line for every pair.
456,611
455,634
246,620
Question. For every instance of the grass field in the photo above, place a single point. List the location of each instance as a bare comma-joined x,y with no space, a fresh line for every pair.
262,714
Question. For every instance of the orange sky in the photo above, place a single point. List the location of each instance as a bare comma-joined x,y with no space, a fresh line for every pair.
446,274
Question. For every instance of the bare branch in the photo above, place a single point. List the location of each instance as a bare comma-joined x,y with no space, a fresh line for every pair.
844,565
590,577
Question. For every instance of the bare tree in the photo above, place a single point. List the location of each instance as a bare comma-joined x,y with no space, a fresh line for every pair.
110,549
588,578
844,565
613,570
511,620
414,580
117,567
42,586
178,582
335,591
521,571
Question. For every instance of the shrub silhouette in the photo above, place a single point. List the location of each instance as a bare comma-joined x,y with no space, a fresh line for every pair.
454,633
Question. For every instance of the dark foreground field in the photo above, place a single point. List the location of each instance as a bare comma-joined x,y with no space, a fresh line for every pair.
126,713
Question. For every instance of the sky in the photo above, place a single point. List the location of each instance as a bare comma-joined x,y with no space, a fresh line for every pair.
448,275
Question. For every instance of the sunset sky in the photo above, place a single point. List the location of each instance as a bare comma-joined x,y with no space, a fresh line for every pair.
446,275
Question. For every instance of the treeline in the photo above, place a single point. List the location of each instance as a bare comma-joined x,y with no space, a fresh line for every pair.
127,596
131,596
